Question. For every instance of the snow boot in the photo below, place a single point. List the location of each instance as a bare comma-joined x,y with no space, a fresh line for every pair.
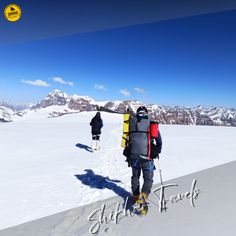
143,205
93,146
135,200
97,144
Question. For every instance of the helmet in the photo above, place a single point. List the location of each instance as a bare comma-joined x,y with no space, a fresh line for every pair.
142,112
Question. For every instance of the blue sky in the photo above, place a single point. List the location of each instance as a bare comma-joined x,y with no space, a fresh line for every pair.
188,61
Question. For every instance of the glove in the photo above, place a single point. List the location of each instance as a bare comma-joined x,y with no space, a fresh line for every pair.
154,151
128,161
126,152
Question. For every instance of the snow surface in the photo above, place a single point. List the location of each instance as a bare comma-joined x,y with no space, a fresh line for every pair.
39,159
99,103
42,113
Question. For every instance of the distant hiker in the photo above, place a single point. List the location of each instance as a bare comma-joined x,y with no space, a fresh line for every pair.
96,124
144,144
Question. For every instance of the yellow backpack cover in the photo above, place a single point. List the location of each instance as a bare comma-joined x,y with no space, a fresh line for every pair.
125,136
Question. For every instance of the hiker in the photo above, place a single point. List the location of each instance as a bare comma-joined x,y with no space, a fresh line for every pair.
144,145
96,124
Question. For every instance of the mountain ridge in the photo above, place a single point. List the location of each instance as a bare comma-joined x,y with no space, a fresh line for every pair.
67,104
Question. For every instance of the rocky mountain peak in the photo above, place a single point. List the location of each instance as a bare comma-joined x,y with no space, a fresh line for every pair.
56,97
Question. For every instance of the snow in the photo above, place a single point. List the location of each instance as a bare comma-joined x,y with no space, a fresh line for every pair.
42,113
58,92
40,157
76,97
99,103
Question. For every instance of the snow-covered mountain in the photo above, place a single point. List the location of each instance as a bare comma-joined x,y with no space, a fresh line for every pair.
16,107
6,114
59,98
180,115
58,103
9,111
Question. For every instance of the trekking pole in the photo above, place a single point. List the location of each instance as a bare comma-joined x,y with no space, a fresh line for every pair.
158,163
162,197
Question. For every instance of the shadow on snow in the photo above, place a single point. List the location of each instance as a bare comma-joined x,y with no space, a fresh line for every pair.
83,146
100,182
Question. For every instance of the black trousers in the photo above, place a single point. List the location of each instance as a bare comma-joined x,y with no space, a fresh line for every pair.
147,168
96,136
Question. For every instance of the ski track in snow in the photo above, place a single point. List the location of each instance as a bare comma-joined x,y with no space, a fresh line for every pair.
39,161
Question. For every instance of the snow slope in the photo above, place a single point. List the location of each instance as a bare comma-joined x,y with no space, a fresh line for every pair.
42,113
39,159
210,216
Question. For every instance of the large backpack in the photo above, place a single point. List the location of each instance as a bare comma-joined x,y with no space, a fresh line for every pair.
139,138
141,134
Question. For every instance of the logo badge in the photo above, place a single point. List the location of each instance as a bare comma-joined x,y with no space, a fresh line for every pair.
12,12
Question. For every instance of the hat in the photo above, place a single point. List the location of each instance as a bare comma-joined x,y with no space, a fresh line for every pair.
142,111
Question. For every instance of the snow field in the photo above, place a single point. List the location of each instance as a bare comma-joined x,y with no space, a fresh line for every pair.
39,160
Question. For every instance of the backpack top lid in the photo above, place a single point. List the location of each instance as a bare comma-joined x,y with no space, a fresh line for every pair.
142,112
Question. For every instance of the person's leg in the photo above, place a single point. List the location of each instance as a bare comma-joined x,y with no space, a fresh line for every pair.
135,181
148,181
148,173
97,141
93,146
